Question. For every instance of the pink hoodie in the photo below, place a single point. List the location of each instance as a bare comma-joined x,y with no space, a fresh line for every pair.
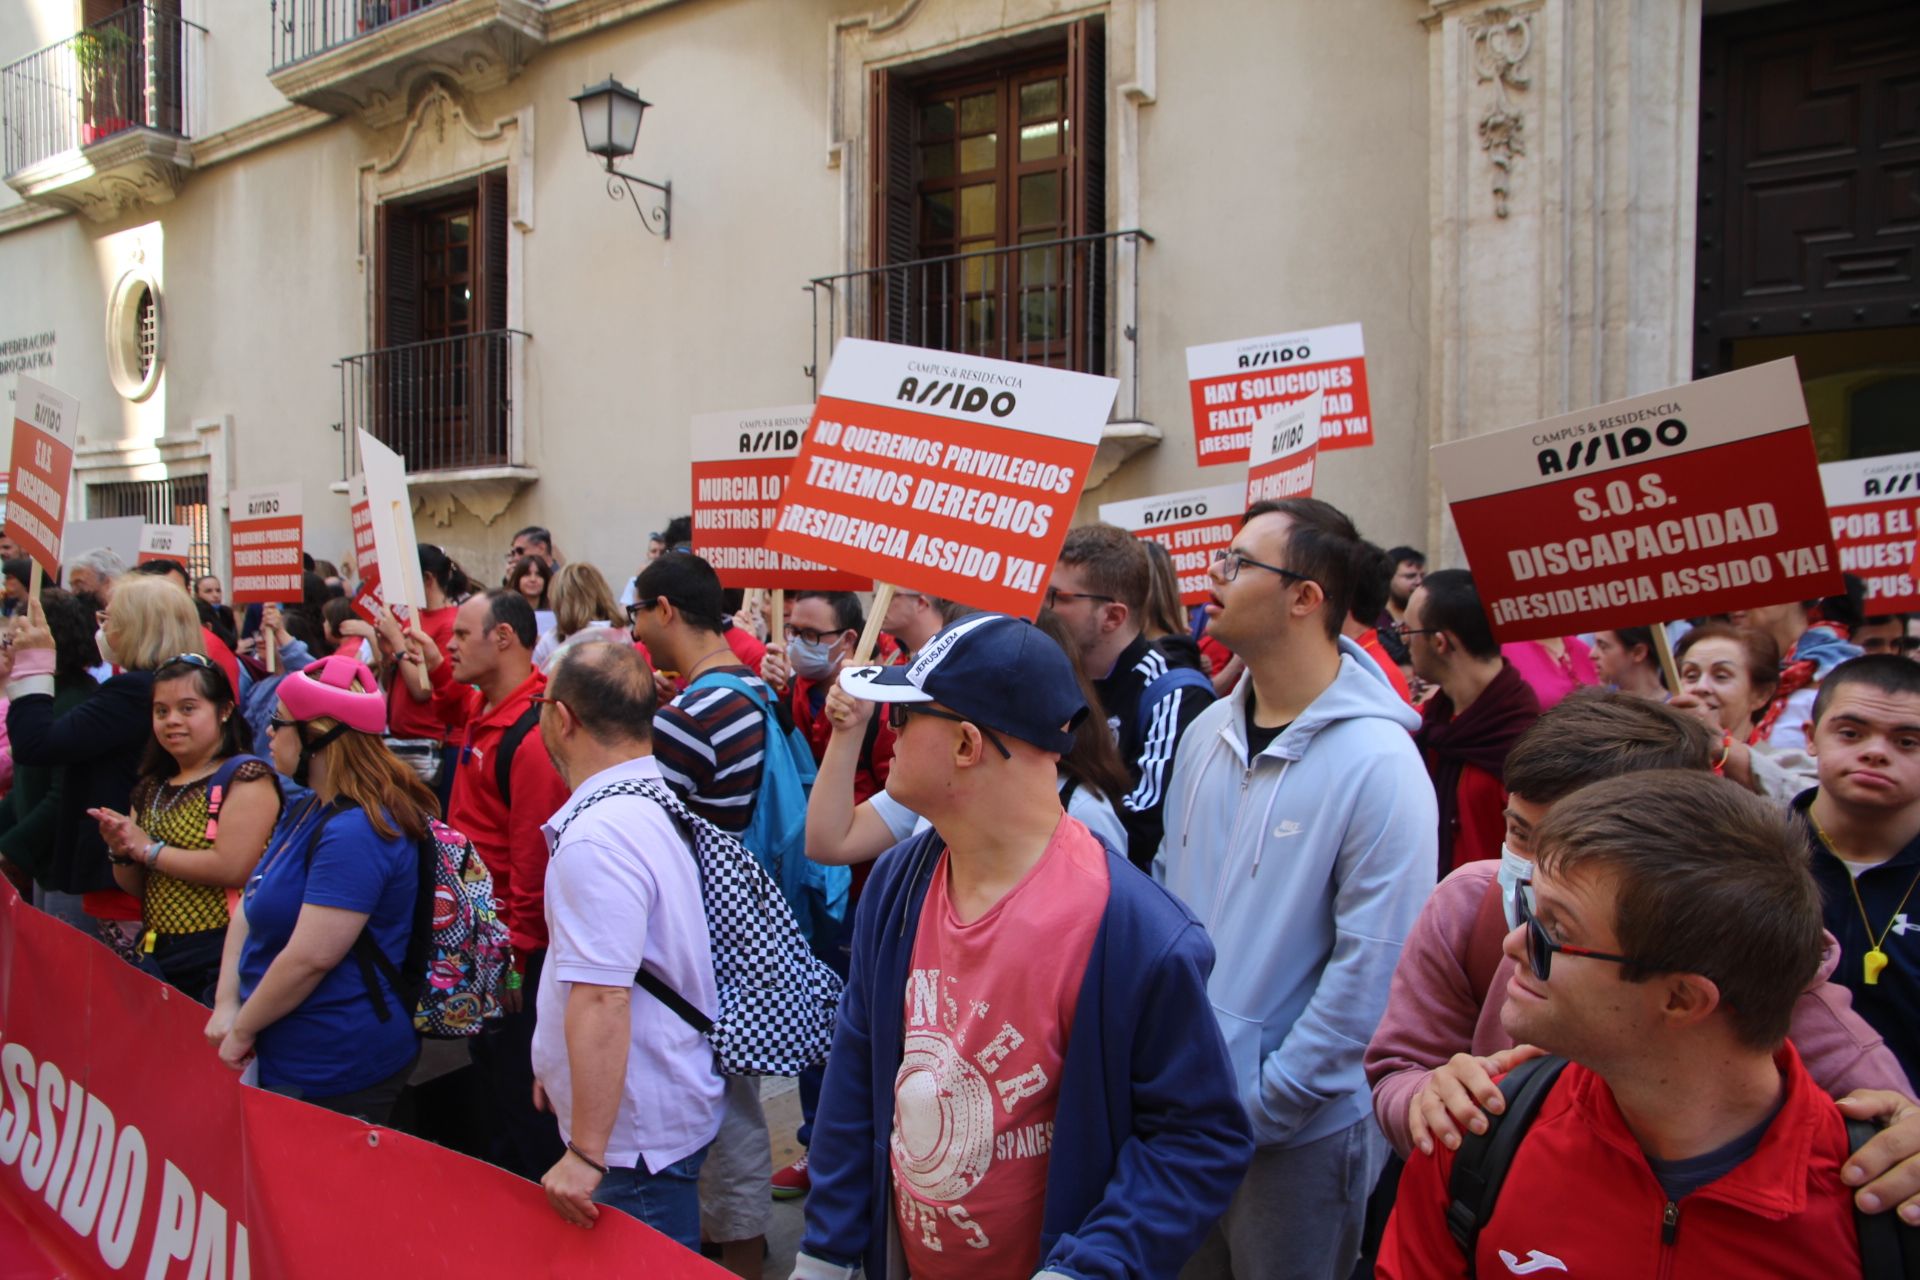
1432,1013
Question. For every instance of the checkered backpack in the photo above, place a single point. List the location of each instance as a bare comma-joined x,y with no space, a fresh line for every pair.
777,999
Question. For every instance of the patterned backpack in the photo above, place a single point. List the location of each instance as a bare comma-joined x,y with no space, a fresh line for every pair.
777,999
457,948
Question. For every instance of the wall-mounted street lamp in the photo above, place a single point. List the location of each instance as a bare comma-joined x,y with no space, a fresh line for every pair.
610,123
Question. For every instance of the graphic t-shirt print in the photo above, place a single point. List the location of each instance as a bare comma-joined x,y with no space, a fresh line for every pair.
989,1008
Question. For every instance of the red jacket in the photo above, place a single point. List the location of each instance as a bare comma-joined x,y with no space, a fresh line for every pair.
870,775
1580,1192
1370,641
409,719
509,842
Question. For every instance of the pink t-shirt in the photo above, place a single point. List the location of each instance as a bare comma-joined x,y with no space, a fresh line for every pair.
989,1009
1552,678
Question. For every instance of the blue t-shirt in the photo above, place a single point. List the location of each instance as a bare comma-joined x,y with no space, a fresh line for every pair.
332,1043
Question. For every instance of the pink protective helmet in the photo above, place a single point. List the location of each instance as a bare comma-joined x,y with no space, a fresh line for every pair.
326,689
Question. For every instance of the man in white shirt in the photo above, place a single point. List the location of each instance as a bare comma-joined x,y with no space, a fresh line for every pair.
633,1085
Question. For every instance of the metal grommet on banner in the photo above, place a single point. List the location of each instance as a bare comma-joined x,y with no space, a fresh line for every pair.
373,1137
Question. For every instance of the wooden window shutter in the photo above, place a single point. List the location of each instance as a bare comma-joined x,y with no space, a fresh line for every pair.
891,226
491,311
1087,187
397,298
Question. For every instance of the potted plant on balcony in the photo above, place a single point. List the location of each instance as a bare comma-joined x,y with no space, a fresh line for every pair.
104,55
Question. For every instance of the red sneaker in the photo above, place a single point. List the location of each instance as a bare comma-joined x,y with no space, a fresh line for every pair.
792,1182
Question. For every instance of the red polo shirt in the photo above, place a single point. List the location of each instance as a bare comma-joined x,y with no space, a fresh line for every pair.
509,841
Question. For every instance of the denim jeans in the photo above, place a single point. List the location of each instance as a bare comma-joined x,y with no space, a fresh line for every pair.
667,1201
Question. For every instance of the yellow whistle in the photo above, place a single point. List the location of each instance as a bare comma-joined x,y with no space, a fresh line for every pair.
1874,961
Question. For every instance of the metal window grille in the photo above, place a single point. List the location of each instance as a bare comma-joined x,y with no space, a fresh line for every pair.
147,317
175,500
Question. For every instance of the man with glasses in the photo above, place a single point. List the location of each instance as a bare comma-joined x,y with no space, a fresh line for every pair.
533,541
1150,695
1300,829
1672,929
1467,728
1888,633
1024,1076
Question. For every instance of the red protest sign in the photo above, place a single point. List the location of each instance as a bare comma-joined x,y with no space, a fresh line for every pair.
1699,499
360,513
1191,525
1873,505
949,474
1234,384
740,466
267,533
1285,450
45,424
165,542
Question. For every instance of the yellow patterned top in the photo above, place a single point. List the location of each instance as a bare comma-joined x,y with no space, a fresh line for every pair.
177,815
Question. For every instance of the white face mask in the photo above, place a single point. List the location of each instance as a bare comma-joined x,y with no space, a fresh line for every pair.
812,660
106,650
1513,870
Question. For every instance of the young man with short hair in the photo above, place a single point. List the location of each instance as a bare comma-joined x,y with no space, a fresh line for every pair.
1888,633
492,694
1099,590
1024,1077
1408,569
1467,728
1863,827
632,1084
1625,659
1369,599
1300,830
914,617
1672,928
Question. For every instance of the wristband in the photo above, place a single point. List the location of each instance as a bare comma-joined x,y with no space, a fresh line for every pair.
587,1160
515,980
153,853
1726,750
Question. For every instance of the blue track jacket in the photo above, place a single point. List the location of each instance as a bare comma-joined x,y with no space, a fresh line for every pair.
1150,1140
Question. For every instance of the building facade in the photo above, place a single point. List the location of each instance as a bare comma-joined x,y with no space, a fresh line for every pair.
239,231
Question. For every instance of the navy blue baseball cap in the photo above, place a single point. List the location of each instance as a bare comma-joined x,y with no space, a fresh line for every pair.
1001,673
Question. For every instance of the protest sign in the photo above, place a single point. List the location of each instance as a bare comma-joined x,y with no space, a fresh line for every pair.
1285,451
390,507
1233,384
367,601
1699,499
1191,525
45,424
118,534
165,542
949,474
267,535
1874,507
740,466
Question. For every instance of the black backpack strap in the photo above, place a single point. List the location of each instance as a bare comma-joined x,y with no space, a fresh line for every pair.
509,744
1480,1165
365,951
1889,1248
666,995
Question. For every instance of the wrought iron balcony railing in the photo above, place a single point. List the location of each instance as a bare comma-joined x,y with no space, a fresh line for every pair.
303,28
445,405
140,68
1072,303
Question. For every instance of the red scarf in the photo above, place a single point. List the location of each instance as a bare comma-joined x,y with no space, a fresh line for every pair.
1795,675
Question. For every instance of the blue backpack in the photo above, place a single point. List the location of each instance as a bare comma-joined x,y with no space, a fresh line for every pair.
777,835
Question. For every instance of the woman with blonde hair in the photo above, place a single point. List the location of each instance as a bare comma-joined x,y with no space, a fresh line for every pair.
584,608
147,622
297,987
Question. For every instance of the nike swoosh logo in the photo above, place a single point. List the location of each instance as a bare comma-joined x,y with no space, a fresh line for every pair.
1536,1261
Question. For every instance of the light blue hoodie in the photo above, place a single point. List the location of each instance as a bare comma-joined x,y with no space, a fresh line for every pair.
1308,867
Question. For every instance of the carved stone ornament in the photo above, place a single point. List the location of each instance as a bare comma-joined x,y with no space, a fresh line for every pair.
1501,41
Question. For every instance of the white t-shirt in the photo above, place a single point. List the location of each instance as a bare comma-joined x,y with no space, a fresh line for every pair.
1091,809
623,889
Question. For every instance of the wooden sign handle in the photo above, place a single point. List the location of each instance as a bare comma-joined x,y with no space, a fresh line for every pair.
34,578
882,598
1664,648
776,615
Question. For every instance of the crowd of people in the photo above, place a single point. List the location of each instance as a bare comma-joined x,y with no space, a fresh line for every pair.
1307,932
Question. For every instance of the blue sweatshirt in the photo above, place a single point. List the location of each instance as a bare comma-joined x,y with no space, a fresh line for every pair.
1149,1141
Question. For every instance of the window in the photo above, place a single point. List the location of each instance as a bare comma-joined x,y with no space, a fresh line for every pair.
989,177
136,332
147,325
437,389
176,500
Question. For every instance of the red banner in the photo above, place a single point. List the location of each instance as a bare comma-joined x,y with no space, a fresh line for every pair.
740,467
1874,505
1190,525
1234,384
367,601
267,532
949,474
126,1147
1694,500
45,425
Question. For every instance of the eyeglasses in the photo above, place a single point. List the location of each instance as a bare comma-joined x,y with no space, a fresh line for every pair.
542,700
1055,596
812,636
1541,948
275,724
1402,630
639,607
1232,561
897,713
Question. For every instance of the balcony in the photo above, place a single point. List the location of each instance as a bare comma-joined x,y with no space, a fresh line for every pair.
366,56
101,122
451,407
1070,303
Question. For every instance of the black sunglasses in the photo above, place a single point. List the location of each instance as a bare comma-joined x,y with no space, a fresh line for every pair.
897,713
1541,948
275,724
